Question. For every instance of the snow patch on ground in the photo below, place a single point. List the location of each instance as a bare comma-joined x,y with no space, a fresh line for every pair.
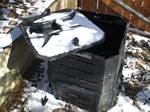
124,104
134,69
33,96
143,99
34,104
7,38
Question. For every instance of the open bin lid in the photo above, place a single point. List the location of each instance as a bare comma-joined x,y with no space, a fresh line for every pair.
75,32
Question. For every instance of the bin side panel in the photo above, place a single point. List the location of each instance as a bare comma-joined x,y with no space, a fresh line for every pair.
21,55
109,89
78,79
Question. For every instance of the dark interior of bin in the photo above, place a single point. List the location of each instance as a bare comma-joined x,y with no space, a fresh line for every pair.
114,28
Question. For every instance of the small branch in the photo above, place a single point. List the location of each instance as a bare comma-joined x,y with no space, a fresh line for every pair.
142,33
131,10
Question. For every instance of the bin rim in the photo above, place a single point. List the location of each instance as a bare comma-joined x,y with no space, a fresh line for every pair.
25,35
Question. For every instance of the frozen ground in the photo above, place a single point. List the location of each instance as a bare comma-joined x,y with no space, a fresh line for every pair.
135,95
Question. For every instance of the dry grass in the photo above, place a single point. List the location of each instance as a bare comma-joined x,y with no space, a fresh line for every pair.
14,98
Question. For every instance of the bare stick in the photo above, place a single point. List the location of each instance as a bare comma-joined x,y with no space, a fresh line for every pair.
142,33
129,9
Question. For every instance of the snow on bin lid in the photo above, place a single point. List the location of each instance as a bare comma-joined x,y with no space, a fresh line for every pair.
76,33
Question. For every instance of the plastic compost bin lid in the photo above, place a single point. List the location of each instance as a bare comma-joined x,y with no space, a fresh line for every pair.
61,33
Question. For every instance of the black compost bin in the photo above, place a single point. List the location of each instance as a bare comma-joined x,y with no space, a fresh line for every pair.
90,78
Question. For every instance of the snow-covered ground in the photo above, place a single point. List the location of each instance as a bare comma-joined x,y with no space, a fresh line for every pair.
136,89
11,18
38,89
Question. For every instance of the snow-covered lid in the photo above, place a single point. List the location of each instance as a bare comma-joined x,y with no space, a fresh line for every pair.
84,33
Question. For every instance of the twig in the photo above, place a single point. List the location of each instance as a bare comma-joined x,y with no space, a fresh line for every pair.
142,33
